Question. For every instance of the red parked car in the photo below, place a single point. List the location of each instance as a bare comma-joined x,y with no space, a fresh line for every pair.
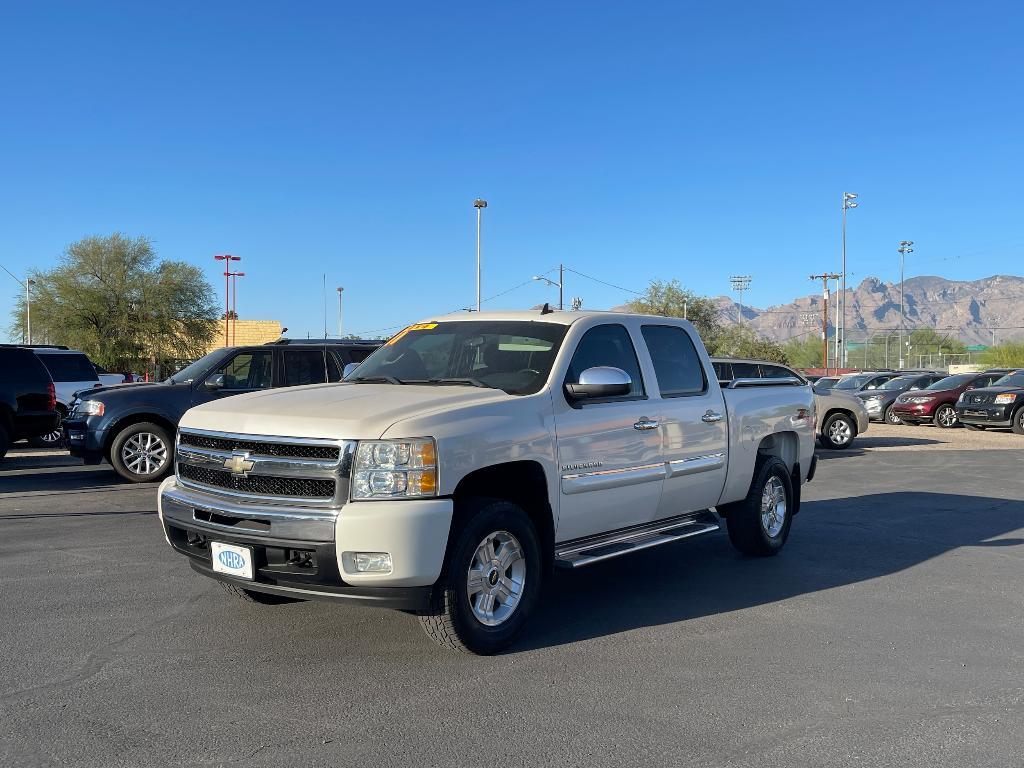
937,402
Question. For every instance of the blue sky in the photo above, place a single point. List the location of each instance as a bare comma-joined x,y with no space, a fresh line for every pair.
630,141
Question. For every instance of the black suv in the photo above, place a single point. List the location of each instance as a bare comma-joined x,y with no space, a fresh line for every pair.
1001,404
133,425
28,401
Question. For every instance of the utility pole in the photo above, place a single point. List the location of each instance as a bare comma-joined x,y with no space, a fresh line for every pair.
904,249
824,315
227,258
479,204
740,283
848,202
341,331
27,284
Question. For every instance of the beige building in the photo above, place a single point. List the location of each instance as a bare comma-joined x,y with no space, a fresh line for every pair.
245,332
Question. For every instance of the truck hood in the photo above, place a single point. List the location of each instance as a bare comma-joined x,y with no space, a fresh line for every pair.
332,411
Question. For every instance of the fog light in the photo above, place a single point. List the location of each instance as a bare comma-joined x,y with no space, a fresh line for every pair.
366,562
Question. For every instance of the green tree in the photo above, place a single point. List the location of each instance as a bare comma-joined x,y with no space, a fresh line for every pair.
1009,354
670,299
112,298
804,351
743,341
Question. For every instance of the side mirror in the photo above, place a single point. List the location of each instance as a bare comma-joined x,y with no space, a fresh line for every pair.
216,381
350,368
598,382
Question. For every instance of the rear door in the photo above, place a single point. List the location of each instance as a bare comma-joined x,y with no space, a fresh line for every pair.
693,423
609,450
303,366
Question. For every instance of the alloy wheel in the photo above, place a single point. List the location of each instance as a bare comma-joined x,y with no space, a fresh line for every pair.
947,416
839,432
144,453
892,418
495,579
773,506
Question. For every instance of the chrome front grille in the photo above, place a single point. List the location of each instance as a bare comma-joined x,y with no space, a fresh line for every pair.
306,472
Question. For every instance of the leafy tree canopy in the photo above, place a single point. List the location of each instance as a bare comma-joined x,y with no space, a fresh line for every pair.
112,298
1009,354
670,299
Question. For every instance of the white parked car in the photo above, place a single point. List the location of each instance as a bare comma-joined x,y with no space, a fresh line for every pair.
472,454
71,371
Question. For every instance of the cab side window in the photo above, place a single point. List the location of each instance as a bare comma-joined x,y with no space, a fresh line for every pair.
608,345
676,363
745,371
248,370
776,372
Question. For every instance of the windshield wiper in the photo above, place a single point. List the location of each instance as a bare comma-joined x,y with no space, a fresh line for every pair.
467,381
377,379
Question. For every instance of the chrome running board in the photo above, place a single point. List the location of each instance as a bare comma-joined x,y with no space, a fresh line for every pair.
576,554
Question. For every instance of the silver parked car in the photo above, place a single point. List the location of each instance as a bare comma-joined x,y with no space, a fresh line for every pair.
841,415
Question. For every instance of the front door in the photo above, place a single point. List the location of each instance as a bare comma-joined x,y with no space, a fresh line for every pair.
245,372
693,423
609,451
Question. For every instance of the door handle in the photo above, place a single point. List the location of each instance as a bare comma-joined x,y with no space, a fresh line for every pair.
645,423
710,417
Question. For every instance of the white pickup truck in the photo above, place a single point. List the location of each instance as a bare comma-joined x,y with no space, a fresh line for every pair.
462,462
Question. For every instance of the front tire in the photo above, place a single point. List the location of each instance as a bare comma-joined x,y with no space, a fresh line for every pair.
1017,423
837,432
945,417
491,582
759,525
142,453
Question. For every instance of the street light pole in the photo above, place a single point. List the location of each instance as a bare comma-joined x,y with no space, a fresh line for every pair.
479,204
341,331
848,202
560,284
234,305
904,249
27,284
740,283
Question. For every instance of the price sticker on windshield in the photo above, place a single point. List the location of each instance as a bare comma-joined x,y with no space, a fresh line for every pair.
416,327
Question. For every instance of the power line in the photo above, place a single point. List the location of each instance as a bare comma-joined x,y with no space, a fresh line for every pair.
604,282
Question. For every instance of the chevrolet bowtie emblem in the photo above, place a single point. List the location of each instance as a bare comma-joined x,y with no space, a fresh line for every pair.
239,463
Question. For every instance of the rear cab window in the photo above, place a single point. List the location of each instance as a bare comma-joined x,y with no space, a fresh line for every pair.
676,363
68,367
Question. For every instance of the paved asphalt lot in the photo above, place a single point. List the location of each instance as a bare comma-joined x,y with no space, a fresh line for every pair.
888,633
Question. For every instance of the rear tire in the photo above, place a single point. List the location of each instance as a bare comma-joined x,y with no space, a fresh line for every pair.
142,453
837,432
54,439
945,417
891,417
759,525
491,581
252,596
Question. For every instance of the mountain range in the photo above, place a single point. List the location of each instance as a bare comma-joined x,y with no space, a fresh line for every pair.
975,311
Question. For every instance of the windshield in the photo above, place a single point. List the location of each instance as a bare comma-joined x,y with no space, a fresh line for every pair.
854,382
513,356
900,382
190,372
952,382
1010,380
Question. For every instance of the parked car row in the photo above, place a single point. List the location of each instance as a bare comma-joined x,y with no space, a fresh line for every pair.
991,398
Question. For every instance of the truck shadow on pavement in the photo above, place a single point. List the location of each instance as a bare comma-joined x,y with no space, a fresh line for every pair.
832,544
59,481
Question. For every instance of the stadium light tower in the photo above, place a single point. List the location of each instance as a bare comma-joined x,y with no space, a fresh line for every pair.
849,201
479,204
740,283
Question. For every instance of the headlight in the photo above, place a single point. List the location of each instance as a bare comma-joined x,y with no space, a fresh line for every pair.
921,399
874,397
89,408
395,469
1006,397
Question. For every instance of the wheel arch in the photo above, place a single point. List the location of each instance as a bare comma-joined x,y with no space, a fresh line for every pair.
523,483
136,418
841,412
